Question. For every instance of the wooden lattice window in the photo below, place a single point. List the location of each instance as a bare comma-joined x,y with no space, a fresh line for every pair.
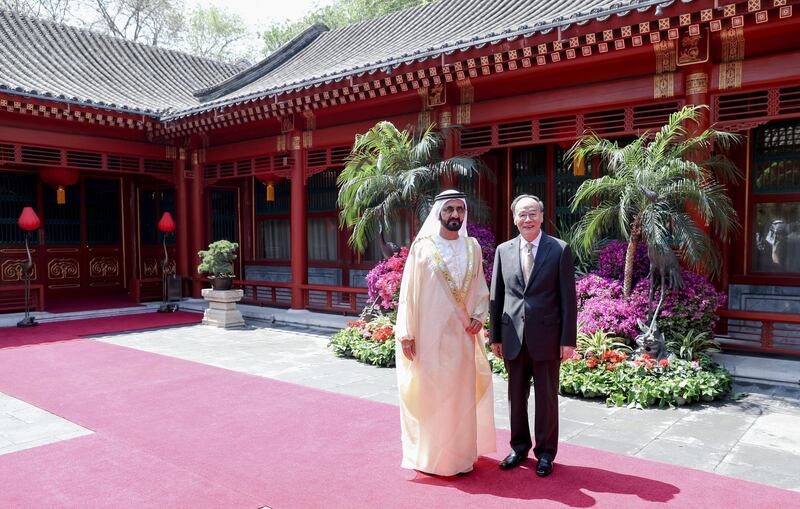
775,238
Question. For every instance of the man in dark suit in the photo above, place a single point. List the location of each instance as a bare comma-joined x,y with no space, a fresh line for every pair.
533,328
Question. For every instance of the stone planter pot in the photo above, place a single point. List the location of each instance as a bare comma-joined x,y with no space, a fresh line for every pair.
222,310
221,283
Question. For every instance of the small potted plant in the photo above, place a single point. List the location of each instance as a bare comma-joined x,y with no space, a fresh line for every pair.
217,263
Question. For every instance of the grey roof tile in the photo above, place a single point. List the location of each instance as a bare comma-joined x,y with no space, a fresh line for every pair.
45,59
42,58
415,34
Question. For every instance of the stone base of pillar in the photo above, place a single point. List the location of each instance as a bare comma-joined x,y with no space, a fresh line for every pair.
222,310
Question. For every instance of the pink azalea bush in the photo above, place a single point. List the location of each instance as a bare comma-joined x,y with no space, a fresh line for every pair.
384,279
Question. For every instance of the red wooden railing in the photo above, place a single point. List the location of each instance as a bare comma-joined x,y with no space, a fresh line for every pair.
764,332
340,299
265,293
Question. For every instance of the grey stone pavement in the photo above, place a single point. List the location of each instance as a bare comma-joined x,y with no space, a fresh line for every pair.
755,435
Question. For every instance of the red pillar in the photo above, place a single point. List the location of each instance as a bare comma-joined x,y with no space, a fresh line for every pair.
198,222
131,222
696,86
697,77
181,217
449,151
299,229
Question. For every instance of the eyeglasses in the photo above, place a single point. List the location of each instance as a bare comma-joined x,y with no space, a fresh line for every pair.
525,216
449,210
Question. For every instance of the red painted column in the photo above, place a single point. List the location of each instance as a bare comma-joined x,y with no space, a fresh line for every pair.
131,221
181,217
697,77
198,222
449,150
696,85
299,229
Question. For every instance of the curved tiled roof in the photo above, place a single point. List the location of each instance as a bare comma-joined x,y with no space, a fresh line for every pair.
437,28
40,58
44,59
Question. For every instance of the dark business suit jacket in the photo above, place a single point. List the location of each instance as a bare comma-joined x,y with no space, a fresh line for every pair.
543,312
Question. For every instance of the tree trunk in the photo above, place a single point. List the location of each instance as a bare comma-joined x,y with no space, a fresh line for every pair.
636,235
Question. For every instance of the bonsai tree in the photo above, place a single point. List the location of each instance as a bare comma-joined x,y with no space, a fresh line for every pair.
217,262
661,190
391,170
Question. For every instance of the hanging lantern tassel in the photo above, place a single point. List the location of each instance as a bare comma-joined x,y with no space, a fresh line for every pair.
578,166
270,191
61,195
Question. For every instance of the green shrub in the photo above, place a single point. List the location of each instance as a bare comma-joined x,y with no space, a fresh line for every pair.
644,382
371,342
690,345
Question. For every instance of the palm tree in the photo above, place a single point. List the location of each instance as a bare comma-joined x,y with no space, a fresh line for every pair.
661,189
390,170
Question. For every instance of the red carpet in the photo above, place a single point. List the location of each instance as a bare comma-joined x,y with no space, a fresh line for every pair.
171,433
71,329
71,305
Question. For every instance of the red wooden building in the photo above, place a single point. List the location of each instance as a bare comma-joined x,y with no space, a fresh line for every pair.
142,130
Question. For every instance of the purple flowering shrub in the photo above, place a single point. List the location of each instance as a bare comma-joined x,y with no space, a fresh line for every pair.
611,261
602,305
488,243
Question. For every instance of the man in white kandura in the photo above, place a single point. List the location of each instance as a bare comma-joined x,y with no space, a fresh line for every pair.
444,378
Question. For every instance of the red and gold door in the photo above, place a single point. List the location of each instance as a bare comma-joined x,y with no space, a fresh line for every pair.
83,252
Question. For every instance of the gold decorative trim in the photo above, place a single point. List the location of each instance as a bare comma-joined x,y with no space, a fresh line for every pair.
308,139
665,56
445,119
694,49
287,123
437,95
423,120
150,267
467,91
664,85
63,268
311,120
12,270
463,113
730,75
103,266
732,44
280,144
296,143
459,293
697,83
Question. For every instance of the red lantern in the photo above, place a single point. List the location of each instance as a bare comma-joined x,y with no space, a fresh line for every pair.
166,224
59,178
28,220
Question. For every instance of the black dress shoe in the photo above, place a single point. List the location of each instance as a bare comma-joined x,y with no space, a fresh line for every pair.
513,459
544,467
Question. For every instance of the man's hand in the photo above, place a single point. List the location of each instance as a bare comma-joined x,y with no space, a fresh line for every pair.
566,352
409,347
497,350
473,327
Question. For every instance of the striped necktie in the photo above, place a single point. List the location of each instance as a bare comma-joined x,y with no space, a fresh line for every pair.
527,263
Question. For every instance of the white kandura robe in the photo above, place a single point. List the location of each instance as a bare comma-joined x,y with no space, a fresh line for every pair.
446,399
